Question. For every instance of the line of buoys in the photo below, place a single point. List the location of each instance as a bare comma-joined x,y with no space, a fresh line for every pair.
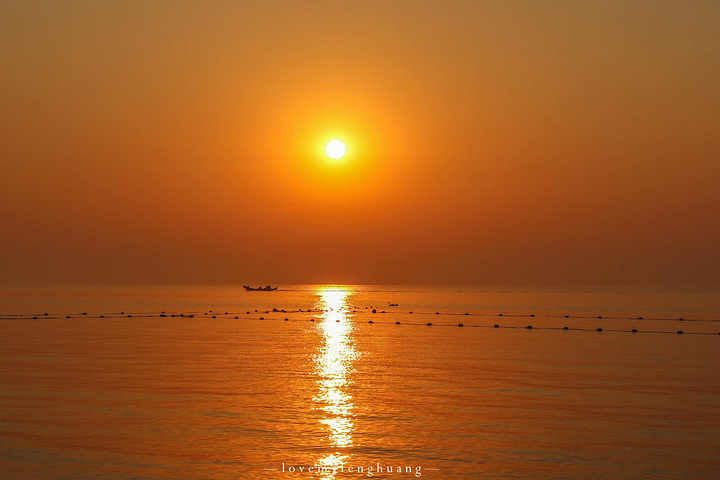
519,315
528,327
275,309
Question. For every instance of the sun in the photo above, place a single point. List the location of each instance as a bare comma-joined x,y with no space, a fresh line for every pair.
335,149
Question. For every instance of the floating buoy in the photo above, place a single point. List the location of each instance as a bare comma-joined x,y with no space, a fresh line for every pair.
599,316
374,311
191,316
679,332
214,316
102,316
411,312
429,324
129,316
496,326
68,316
567,316
34,318
529,327
45,314
286,320
599,330
397,323
500,315
460,325
566,328
370,321
634,330
467,313
437,313
639,318
312,319
237,318
261,318
681,319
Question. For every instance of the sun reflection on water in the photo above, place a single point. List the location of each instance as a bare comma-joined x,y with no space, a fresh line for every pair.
333,366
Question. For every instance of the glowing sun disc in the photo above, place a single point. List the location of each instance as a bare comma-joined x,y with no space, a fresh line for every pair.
335,149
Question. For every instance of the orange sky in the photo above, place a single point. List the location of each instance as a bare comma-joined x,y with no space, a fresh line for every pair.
547,142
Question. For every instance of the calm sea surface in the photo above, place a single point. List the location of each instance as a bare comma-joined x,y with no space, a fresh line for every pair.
127,388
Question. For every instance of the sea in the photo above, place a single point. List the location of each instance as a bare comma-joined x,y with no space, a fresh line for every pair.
358,381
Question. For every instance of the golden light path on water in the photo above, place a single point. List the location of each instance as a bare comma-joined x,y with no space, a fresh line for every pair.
333,366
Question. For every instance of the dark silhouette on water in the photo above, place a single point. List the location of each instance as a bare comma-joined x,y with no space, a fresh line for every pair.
266,288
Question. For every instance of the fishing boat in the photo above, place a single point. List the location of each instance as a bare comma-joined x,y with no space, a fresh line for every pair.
266,288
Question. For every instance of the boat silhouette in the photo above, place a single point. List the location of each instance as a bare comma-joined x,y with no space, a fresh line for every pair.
266,288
